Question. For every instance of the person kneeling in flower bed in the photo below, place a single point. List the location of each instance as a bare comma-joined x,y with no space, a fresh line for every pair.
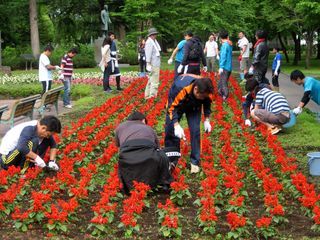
187,95
140,157
271,108
26,144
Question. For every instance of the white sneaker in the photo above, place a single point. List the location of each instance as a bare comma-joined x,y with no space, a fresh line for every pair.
194,168
68,106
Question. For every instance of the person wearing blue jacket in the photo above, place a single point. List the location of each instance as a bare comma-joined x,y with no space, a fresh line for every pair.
225,64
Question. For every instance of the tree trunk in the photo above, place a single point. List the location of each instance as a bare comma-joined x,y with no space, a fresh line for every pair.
309,41
284,49
34,31
318,45
297,48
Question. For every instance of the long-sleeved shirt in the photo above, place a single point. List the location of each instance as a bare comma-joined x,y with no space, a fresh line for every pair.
19,136
226,56
152,53
181,99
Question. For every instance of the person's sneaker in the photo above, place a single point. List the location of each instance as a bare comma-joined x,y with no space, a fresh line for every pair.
194,168
119,89
68,106
108,91
275,130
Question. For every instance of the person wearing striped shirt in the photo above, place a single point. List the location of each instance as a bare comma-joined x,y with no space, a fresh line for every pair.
271,108
66,75
188,94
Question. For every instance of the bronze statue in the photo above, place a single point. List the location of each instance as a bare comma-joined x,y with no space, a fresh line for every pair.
105,20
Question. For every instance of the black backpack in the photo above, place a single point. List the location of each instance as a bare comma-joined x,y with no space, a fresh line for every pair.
195,52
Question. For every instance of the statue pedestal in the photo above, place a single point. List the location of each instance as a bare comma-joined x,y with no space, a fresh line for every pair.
97,49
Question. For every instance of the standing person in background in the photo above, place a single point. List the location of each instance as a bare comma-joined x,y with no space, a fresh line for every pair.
66,75
114,60
45,69
212,52
243,44
142,56
192,57
260,57
153,60
225,64
276,69
178,52
105,64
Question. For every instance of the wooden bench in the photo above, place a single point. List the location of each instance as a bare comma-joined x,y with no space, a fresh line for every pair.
21,108
3,109
50,97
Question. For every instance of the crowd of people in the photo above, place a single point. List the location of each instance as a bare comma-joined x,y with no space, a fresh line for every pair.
140,155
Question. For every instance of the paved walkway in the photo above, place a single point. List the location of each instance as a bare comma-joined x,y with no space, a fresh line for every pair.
5,127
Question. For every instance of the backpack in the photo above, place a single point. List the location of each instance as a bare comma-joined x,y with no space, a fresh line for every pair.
195,52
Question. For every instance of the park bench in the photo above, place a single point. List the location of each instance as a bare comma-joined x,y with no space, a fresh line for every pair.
3,109
21,108
50,97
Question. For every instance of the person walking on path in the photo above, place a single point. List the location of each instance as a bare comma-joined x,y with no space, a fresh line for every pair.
142,56
192,57
153,60
67,75
178,52
225,64
244,46
276,68
105,64
311,89
26,144
188,94
140,156
260,57
212,52
115,71
45,69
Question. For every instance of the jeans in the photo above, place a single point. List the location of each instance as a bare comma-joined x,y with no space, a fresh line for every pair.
193,118
106,77
46,86
223,84
67,89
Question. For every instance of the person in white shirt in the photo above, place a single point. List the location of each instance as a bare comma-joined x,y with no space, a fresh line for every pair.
45,69
212,52
244,46
26,144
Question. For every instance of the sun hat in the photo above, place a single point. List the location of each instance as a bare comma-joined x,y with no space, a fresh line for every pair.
152,31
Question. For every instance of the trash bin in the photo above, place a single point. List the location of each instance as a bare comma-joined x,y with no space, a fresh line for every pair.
314,163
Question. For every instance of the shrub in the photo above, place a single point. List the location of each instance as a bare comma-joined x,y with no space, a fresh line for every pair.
128,52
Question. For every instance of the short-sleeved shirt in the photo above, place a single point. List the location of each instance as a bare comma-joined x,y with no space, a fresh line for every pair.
277,57
244,42
211,47
18,137
313,85
133,130
44,73
67,62
271,101
180,46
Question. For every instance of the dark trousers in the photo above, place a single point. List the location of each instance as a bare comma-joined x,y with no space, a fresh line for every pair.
16,158
106,76
142,64
223,84
176,65
193,118
275,79
46,86
246,105
193,68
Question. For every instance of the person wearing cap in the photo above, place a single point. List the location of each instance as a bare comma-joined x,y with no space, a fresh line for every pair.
178,52
153,60
26,144
188,95
140,156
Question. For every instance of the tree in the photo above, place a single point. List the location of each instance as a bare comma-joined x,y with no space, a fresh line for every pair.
34,31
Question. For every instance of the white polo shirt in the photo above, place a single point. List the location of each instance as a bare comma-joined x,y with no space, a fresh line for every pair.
244,42
211,48
44,73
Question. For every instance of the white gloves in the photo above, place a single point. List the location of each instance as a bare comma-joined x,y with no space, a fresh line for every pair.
53,165
149,67
207,126
57,67
170,61
39,162
247,122
251,70
297,110
276,73
178,132
220,70
179,70
205,69
218,58
61,76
